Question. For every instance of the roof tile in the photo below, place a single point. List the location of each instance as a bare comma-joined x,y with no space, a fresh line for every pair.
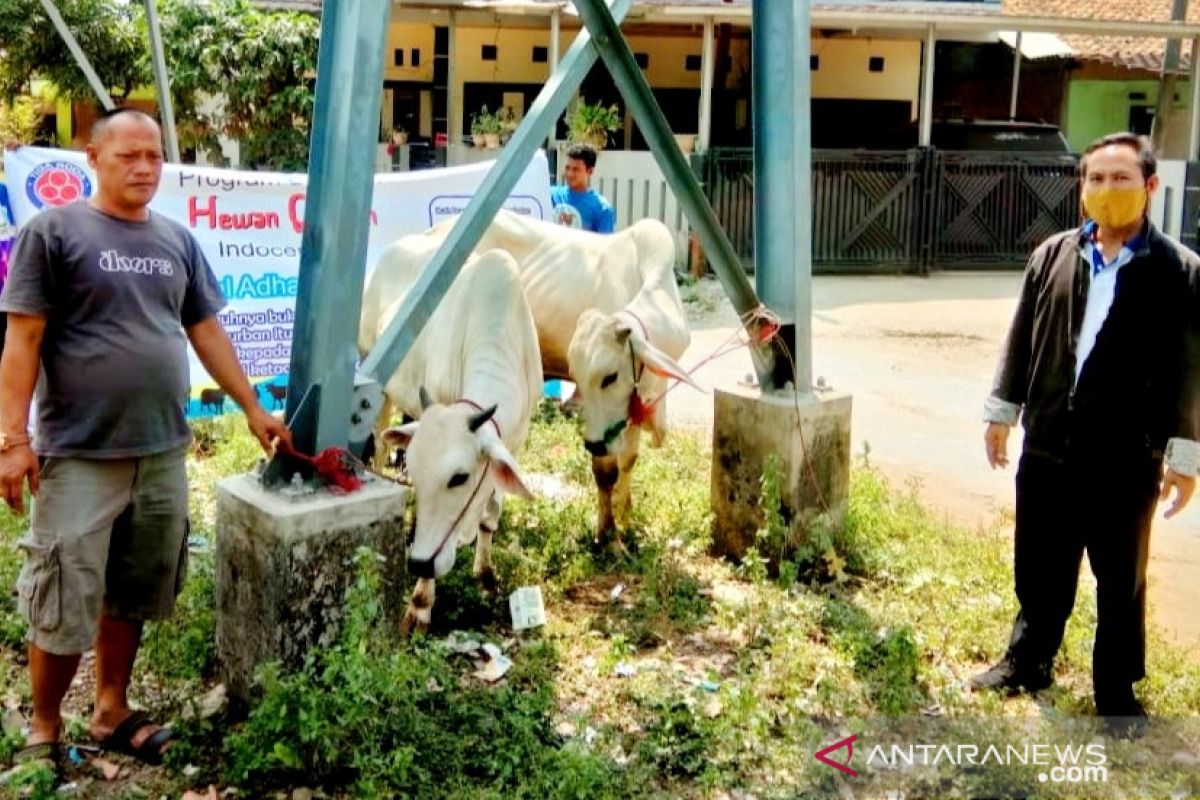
1129,52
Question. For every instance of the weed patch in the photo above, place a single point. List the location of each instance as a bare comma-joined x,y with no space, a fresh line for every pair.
397,719
698,679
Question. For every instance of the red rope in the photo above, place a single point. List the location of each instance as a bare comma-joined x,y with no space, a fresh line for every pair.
335,468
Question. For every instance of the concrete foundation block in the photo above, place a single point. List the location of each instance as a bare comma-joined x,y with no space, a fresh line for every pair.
283,566
748,426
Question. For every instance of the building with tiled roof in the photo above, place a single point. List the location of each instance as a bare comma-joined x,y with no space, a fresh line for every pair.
1139,53
1082,66
1114,80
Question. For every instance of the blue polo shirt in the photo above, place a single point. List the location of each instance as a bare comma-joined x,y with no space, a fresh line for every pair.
594,212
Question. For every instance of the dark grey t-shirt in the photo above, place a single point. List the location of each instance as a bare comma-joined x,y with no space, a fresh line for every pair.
116,296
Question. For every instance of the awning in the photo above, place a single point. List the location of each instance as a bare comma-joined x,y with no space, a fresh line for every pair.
1035,44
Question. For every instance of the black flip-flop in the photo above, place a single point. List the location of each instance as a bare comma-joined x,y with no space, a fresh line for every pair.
151,751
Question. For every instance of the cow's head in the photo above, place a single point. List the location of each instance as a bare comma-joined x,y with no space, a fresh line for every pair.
609,359
455,461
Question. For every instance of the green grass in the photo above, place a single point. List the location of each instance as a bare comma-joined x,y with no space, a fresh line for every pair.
738,672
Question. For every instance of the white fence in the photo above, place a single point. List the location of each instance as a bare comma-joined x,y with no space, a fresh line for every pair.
637,188
1166,210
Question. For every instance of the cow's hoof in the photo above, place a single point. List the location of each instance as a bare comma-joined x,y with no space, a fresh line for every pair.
617,549
412,623
487,580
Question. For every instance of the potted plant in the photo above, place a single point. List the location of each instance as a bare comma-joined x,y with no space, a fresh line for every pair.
508,123
591,123
478,126
485,128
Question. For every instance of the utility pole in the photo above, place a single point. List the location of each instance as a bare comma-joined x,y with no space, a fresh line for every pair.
1167,81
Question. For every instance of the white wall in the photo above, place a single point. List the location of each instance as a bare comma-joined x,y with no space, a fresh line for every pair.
1166,209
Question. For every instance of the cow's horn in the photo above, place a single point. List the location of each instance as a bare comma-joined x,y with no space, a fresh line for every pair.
426,402
481,419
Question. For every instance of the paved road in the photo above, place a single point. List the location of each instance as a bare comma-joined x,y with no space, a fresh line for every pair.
917,354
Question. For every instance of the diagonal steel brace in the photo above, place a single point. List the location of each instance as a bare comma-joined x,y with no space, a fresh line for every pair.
769,359
80,57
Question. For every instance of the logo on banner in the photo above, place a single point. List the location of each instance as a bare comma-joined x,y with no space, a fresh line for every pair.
57,183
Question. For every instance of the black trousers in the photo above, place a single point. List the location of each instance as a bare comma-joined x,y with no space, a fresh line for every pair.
1097,504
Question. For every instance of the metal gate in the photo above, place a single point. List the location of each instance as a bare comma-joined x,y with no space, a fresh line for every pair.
866,209
993,209
914,210
729,184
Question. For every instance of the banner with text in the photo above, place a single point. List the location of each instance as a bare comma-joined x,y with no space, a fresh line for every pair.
249,225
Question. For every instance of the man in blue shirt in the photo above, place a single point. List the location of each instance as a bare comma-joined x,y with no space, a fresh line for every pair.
576,204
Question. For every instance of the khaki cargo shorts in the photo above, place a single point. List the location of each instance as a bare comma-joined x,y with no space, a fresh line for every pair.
105,536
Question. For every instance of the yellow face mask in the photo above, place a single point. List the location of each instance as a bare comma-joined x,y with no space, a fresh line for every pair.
1115,208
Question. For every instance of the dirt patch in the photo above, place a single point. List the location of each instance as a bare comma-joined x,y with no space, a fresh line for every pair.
918,355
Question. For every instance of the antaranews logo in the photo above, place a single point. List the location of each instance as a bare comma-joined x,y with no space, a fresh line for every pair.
823,755
1057,763
57,183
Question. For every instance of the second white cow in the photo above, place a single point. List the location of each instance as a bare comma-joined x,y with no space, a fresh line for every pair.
472,381
621,363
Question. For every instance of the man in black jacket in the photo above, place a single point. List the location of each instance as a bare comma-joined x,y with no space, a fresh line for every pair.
1102,365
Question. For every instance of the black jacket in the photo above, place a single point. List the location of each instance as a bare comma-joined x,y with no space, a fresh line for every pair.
1141,383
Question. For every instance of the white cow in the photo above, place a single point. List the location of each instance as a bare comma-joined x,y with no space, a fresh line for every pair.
566,273
621,362
472,379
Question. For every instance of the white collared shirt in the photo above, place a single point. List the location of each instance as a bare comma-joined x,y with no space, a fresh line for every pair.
1102,288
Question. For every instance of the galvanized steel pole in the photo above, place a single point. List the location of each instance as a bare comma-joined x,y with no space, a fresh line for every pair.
393,345
162,83
782,172
333,252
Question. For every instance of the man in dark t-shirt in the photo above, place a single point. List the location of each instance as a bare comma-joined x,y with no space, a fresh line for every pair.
102,298
7,232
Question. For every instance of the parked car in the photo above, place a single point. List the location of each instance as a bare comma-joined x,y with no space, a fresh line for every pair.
1005,136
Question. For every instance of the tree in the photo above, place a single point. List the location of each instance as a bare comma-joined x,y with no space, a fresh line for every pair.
261,64
18,123
259,67
109,32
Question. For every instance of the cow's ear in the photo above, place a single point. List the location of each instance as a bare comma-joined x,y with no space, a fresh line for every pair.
401,437
503,467
660,363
